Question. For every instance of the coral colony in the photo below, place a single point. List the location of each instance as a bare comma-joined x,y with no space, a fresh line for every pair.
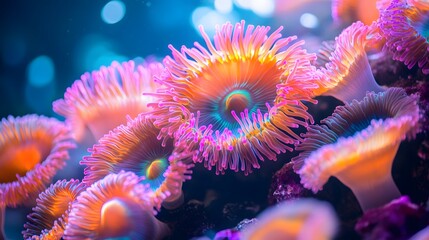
227,105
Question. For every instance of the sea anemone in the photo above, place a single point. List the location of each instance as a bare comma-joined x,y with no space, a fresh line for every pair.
134,147
50,216
33,148
348,11
294,219
236,102
101,100
116,206
348,75
403,26
357,145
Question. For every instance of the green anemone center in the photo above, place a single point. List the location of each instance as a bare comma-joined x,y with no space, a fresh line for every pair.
236,101
155,169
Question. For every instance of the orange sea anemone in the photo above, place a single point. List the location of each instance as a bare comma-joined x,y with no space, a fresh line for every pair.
357,145
116,206
348,75
236,102
50,216
348,11
101,100
134,147
294,219
403,26
33,148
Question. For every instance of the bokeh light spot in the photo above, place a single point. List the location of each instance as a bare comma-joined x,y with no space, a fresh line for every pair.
263,8
309,20
113,12
223,6
40,71
209,18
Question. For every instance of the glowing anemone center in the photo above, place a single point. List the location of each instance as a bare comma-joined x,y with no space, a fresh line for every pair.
18,160
115,218
236,101
156,169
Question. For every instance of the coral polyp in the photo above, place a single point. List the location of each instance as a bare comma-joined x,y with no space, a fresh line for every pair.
237,101
101,100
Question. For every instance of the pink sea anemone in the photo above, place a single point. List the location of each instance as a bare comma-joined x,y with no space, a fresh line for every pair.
50,216
236,102
403,26
101,100
116,206
347,75
357,145
33,148
294,219
134,147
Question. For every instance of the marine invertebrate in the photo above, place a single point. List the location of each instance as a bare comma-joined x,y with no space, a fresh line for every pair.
357,145
116,206
348,11
403,26
50,215
236,102
32,149
134,147
294,219
348,75
101,100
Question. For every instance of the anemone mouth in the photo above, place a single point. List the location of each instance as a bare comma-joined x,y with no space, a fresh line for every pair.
33,148
117,195
344,147
112,93
405,28
50,214
235,85
237,101
133,147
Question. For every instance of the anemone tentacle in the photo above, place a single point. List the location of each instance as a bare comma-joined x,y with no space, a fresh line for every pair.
400,24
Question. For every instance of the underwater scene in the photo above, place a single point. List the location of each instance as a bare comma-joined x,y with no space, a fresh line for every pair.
214,119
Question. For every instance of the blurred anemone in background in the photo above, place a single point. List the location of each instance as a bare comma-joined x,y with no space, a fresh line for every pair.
33,149
134,147
101,100
294,219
